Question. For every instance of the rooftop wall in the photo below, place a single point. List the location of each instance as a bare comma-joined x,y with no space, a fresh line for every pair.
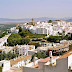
26,69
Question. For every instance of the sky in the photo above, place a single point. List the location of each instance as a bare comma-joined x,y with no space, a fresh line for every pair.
17,9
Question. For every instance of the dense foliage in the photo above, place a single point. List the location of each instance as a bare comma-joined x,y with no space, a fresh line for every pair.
3,34
39,55
20,29
58,38
15,39
50,21
26,33
0,69
23,37
54,38
7,56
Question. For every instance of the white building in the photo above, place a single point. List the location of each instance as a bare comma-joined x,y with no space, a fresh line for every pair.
4,39
5,49
20,61
23,49
54,28
5,65
14,30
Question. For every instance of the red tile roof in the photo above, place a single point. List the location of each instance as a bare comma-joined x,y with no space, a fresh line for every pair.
64,56
47,59
35,66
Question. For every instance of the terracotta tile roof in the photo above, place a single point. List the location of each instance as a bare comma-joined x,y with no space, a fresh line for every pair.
12,62
64,56
58,47
47,59
35,66
15,47
1,49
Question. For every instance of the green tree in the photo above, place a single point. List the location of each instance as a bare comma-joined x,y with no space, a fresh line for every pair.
0,69
50,21
3,34
24,33
15,39
36,45
54,38
4,55
20,29
39,55
1,57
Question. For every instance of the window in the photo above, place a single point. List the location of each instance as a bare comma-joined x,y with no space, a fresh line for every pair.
2,65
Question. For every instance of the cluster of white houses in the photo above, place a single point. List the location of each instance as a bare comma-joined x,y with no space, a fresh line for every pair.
16,62
26,51
49,64
18,49
39,65
30,49
55,28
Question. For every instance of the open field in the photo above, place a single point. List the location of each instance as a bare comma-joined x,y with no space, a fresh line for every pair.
4,27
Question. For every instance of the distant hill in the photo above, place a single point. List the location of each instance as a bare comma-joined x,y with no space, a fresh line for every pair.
28,19
6,20
69,20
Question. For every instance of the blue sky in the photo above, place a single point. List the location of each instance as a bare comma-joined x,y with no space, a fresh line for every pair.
35,8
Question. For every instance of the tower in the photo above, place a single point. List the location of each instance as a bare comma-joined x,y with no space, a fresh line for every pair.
32,20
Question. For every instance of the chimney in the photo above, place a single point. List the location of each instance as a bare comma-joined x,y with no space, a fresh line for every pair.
50,55
27,50
34,60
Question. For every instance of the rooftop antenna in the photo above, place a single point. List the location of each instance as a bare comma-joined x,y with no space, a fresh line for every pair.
50,55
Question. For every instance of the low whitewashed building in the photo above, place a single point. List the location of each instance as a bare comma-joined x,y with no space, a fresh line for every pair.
5,49
14,30
20,61
5,64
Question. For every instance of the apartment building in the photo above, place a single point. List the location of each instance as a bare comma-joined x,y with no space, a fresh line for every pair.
23,49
